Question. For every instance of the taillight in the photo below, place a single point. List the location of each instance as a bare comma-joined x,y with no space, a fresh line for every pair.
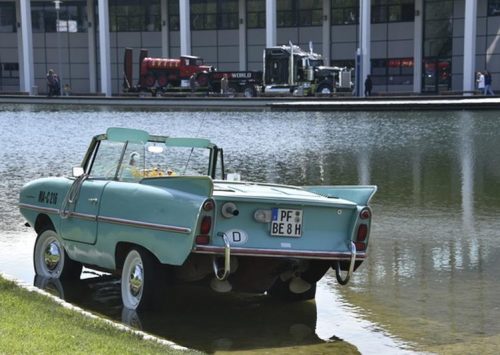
360,246
361,237
365,213
206,224
362,233
208,205
202,239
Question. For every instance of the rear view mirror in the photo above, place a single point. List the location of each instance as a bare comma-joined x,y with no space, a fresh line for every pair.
77,171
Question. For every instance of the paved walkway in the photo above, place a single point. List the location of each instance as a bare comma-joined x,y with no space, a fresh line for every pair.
378,103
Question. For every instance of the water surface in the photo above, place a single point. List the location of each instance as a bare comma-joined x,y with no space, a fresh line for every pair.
431,280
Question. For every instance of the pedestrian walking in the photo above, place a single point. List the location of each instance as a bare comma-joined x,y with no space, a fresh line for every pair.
480,82
487,84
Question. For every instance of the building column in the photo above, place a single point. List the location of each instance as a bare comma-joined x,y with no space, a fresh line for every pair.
104,47
26,67
271,36
165,40
92,46
327,30
185,27
470,46
418,38
364,39
242,34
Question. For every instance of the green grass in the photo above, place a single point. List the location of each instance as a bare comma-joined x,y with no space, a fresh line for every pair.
31,323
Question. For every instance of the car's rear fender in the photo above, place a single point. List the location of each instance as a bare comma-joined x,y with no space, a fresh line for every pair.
158,215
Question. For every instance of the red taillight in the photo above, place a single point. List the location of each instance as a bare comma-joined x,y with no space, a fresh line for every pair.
362,233
206,224
365,213
360,246
202,239
208,205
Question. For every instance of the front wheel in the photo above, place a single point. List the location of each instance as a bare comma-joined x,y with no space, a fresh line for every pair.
324,89
250,91
138,280
51,260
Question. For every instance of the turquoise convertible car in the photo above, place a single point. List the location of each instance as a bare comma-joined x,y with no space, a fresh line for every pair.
158,210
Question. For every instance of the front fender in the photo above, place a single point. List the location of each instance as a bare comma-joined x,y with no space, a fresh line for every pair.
43,197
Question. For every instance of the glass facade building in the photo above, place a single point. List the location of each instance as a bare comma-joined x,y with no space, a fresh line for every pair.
416,46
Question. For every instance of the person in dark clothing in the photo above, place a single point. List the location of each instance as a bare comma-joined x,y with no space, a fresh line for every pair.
368,86
487,84
53,83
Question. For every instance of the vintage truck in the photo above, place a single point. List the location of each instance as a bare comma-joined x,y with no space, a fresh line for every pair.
157,210
286,70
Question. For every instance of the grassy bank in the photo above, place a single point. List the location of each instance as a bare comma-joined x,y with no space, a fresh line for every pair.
32,323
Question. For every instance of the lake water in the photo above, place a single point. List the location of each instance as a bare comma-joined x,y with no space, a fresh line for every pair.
430,283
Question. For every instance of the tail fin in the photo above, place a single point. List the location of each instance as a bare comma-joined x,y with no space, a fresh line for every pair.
359,194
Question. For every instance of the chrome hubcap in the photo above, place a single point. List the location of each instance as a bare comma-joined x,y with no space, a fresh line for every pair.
52,255
136,280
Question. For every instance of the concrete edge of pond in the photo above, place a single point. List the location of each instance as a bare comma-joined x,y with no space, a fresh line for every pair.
119,326
217,103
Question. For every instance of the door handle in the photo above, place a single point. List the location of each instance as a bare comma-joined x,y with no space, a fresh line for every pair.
93,200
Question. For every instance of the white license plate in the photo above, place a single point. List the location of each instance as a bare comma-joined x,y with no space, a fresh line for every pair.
286,223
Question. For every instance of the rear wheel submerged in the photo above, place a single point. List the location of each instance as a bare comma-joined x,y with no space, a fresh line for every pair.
51,260
141,282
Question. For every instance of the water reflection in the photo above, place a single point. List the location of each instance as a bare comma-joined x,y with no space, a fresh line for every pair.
431,277
196,317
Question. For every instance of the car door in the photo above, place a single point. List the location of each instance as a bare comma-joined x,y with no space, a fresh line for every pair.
80,222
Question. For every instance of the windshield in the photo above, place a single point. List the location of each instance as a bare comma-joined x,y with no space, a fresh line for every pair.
316,63
130,161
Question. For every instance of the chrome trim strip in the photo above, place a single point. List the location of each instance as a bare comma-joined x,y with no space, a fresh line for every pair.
131,223
84,216
113,220
38,208
207,249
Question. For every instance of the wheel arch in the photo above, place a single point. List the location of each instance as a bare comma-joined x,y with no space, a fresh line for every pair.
43,222
122,249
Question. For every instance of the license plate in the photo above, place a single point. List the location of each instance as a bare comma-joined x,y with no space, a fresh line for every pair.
286,223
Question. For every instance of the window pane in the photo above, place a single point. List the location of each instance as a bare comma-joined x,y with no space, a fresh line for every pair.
256,5
438,10
394,71
345,12
493,7
408,12
379,14
173,15
438,29
7,17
